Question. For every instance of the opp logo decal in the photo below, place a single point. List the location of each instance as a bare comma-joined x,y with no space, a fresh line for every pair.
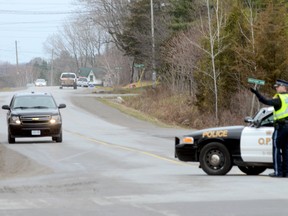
264,141
216,133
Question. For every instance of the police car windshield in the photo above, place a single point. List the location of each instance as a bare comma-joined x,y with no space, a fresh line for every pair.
263,113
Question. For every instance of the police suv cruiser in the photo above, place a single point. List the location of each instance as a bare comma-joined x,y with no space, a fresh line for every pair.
218,149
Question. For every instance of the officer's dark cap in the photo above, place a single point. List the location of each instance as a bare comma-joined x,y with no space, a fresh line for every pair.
281,83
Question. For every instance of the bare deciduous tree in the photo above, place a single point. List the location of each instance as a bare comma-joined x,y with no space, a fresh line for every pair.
182,60
82,40
109,14
117,66
210,28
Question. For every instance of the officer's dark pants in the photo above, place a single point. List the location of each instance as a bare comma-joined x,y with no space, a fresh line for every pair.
280,149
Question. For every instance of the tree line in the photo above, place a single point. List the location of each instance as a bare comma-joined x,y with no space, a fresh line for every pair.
205,48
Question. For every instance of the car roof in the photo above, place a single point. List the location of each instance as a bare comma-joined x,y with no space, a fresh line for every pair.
32,93
67,73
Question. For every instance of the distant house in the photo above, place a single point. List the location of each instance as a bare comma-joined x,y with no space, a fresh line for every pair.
94,75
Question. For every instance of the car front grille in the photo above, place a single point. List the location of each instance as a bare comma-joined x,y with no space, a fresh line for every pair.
35,119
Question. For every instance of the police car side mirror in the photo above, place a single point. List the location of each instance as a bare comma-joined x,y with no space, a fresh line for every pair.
248,119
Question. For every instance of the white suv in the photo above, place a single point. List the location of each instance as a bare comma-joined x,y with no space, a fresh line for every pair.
82,82
68,79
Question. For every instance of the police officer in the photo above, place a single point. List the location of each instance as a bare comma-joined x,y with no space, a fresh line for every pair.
280,135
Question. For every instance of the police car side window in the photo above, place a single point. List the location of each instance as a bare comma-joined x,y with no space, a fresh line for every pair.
267,121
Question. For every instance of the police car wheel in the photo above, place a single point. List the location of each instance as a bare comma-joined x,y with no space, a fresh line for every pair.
215,159
252,170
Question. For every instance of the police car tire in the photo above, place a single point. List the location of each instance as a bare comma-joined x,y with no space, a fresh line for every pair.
252,170
215,159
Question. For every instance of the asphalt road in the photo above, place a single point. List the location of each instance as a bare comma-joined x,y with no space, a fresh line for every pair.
112,164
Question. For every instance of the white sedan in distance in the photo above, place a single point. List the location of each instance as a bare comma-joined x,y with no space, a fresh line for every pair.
40,82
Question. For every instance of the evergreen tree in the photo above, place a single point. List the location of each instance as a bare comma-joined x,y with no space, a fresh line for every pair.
183,13
272,42
238,60
136,24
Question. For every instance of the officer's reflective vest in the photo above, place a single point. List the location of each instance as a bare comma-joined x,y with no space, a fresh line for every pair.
283,111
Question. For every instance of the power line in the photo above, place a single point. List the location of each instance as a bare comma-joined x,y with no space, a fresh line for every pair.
21,51
20,12
32,22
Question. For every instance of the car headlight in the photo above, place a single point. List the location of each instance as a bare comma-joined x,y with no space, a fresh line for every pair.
188,140
55,119
15,120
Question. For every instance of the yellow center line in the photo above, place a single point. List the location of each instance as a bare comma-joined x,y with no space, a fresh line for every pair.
131,149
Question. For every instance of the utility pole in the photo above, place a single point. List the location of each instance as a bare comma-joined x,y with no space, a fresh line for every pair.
51,72
17,64
154,75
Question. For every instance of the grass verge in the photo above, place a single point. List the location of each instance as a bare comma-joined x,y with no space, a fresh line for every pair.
133,112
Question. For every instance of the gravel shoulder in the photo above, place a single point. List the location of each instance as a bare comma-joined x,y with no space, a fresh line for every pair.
16,165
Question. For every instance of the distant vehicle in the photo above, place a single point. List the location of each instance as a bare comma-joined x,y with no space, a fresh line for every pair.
68,79
34,115
40,82
82,82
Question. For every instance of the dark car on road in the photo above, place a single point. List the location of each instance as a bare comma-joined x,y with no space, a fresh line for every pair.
34,115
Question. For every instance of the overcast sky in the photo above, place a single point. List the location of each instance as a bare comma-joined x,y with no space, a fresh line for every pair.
30,23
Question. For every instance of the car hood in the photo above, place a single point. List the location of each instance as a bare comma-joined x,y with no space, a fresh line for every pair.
217,132
35,112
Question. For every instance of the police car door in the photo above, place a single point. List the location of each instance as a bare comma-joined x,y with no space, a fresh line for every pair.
256,142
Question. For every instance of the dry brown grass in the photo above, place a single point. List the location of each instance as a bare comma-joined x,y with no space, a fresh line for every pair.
179,109
162,104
